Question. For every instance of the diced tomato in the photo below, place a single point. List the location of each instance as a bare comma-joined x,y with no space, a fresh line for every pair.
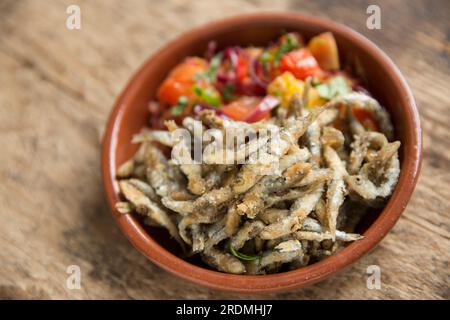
367,119
300,63
323,47
242,67
364,116
180,81
243,79
270,68
243,107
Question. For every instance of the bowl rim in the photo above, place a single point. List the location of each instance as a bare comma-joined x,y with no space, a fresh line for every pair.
286,280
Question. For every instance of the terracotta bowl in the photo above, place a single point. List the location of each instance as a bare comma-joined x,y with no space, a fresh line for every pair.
129,115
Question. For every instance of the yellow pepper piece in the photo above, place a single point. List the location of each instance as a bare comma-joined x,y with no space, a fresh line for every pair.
314,100
284,86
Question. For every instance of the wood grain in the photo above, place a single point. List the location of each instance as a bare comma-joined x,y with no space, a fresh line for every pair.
57,88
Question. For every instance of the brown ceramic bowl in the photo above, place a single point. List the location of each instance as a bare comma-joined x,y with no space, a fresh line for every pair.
129,115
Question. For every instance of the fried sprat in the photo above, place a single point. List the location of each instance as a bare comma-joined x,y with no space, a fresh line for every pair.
244,217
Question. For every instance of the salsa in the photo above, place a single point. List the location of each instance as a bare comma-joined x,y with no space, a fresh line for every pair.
247,83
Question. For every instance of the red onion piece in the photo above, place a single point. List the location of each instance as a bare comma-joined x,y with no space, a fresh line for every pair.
211,49
232,53
253,71
267,103
250,89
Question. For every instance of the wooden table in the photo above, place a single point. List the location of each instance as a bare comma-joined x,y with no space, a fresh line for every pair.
57,87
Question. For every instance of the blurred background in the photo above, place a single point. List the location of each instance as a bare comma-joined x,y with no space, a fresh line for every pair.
57,87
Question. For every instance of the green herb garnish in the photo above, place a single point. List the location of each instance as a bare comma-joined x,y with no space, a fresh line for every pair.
277,93
179,108
315,81
228,91
211,74
266,58
207,95
285,47
335,87
243,256
214,66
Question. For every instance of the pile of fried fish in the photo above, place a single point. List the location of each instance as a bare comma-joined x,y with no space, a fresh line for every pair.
244,220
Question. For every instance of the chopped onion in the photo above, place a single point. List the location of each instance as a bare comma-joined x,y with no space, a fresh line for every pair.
250,88
232,54
254,65
211,49
267,103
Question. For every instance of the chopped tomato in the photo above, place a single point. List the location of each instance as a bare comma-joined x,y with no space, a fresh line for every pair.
244,107
366,118
181,80
269,66
301,63
242,67
323,47
246,83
